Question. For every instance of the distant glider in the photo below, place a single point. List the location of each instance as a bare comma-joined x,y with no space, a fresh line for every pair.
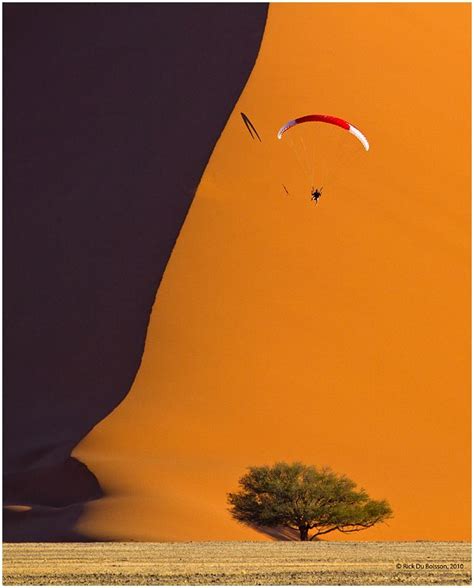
251,129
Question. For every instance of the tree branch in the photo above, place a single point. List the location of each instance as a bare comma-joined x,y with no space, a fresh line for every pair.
323,532
361,525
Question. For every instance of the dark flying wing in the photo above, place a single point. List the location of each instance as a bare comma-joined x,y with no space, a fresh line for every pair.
251,129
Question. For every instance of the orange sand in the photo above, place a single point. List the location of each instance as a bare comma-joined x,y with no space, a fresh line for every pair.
335,335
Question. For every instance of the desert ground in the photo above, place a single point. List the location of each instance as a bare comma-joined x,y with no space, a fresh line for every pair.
234,563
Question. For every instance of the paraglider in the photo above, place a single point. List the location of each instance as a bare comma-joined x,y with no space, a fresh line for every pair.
251,129
316,194
303,153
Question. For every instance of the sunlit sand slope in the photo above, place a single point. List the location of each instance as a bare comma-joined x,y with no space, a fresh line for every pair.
335,334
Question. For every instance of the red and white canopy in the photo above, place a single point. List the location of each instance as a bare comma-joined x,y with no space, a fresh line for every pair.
326,118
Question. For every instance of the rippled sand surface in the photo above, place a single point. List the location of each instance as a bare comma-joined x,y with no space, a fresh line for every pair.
234,563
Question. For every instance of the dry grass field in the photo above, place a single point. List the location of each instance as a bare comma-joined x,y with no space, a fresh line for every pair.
348,563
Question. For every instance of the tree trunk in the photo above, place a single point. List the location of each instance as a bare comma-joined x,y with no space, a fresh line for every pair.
304,533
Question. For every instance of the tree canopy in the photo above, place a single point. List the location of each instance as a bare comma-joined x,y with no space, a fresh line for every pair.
305,499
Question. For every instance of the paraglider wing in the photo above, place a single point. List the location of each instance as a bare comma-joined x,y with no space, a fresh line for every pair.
251,129
325,118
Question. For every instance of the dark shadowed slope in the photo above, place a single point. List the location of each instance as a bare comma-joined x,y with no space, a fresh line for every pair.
111,113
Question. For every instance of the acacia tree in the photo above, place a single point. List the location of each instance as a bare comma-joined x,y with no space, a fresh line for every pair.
306,499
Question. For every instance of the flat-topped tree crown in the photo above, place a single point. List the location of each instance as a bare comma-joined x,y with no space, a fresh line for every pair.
306,499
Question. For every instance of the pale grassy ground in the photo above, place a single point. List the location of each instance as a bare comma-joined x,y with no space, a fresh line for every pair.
237,563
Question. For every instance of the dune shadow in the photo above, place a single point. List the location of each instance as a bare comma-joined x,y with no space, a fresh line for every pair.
111,112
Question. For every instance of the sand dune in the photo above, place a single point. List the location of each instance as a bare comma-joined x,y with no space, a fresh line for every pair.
108,130
336,335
